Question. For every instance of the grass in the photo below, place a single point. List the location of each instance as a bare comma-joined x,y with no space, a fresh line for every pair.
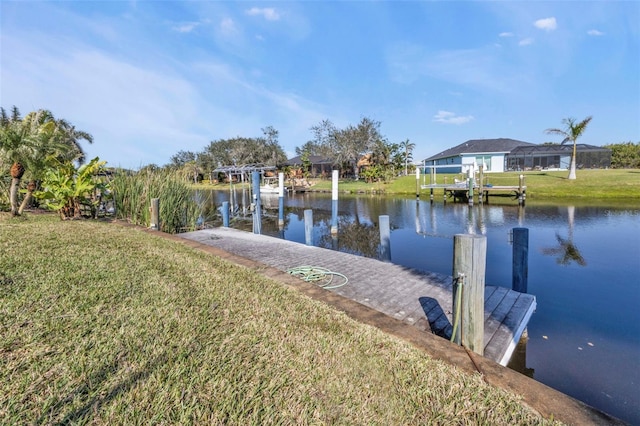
102,324
612,184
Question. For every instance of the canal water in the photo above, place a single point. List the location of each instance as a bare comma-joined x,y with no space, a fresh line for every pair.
584,269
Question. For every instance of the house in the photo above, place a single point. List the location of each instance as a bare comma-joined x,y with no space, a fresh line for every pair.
319,166
499,155
489,153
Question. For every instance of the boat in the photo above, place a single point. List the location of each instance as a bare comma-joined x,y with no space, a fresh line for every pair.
270,185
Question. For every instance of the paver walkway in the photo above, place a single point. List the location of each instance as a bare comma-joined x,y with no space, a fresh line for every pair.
419,299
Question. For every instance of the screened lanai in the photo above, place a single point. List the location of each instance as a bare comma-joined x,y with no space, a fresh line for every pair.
557,157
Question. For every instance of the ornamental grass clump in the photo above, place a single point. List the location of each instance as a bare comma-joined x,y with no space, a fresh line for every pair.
132,192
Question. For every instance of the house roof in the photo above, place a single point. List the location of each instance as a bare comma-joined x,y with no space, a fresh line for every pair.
477,146
313,159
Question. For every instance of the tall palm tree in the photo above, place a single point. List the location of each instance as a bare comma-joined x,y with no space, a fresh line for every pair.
32,142
408,154
571,132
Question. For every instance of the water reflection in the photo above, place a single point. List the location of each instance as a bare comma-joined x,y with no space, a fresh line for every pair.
584,264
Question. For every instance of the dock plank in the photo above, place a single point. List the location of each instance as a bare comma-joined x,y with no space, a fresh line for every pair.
420,299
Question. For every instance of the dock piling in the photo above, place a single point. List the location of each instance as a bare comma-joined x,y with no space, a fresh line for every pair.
469,262
308,227
155,214
257,207
520,262
225,214
334,202
385,238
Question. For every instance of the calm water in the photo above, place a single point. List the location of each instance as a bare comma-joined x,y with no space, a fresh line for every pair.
584,269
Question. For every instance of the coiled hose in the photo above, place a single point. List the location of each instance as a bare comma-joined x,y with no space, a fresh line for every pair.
320,276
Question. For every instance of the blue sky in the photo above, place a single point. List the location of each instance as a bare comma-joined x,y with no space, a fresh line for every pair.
150,78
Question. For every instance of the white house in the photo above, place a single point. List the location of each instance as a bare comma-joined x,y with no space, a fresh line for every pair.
466,157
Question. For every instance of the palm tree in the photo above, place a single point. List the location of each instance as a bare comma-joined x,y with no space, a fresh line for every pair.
32,143
571,133
408,154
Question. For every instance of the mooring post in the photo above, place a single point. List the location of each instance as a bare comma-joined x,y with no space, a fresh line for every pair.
385,238
521,195
155,214
417,183
469,265
257,207
470,182
308,227
520,263
334,202
225,214
280,201
480,185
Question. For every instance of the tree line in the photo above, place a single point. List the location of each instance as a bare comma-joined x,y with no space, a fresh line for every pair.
355,149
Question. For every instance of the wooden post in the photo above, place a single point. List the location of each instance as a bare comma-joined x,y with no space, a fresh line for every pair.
334,202
480,190
469,264
257,206
385,238
417,183
520,262
470,182
225,214
155,214
521,196
308,227
280,201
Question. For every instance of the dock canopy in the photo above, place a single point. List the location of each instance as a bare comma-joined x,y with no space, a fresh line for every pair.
241,173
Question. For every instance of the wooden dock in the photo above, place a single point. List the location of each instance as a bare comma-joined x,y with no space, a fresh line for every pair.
460,192
419,299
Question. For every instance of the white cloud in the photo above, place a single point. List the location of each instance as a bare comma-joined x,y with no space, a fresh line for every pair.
506,34
526,41
547,24
186,27
228,27
267,13
448,117
595,33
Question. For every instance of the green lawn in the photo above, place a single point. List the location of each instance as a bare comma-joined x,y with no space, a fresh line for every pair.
105,324
612,184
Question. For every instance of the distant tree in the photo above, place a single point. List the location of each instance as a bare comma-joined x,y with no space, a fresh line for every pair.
407,147
178,160
571,132
353,142
310,147
625,155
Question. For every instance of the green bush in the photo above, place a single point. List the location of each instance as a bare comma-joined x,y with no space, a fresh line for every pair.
132,193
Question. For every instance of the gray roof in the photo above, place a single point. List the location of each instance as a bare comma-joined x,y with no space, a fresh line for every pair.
313,159
477,146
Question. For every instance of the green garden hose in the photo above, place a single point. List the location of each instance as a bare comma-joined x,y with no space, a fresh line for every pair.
318,275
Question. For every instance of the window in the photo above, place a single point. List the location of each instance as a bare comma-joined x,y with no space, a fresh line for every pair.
484,161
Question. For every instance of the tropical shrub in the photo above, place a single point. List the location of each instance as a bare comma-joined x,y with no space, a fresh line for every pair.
73,192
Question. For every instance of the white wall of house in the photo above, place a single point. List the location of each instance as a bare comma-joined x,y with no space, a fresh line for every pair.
491,162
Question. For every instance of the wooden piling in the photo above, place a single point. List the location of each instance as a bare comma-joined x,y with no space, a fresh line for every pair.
155,214
520,262
469,265
334,202
225,214
308,227
385,238
417,183
257,206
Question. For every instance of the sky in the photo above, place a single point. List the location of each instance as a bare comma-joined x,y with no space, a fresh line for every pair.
151,78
